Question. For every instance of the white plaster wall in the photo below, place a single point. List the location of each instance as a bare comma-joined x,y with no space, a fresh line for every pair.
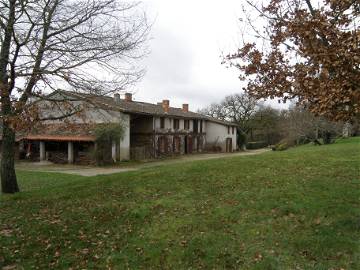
218,133
125,141
90,114
191,129
181,124
156,122
204,126
168,124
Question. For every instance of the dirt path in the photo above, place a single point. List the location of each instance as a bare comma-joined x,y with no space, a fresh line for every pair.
93,171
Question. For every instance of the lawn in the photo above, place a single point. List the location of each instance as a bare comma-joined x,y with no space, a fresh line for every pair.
297,209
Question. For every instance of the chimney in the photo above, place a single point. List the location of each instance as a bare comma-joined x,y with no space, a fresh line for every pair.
128,97
166,105
185,107
117,97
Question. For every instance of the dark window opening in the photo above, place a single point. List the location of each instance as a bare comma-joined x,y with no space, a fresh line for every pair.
195,126
176,124
162,122
201,126
233,130
228,129
186,124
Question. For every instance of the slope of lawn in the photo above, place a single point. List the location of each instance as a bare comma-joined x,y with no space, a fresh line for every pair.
297,209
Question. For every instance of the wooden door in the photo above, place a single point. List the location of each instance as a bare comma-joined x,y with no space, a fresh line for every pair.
229,145
189,145
162,145
176,145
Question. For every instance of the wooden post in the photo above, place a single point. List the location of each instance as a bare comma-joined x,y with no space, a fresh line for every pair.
42,151
113,151
70,152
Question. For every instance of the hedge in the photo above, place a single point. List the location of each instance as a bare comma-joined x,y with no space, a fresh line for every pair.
256,145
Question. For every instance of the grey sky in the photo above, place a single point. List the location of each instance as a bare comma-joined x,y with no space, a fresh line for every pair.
187,40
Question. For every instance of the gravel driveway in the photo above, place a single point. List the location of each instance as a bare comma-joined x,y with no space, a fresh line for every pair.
93,171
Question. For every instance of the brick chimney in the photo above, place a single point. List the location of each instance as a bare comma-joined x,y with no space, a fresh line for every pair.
128,97
117,97
185,107
166,105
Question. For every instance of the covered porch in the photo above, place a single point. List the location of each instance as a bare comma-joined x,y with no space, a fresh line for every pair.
59,149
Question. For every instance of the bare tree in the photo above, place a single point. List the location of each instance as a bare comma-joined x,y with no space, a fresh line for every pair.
239,108
236,108
86,45
301,125
214,110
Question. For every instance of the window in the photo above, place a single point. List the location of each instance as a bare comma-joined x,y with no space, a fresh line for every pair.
228,129
195,126
201,126
176,124
162,122
233,130
187,124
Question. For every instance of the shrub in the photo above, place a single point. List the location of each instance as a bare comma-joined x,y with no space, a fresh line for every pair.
241,137
303,140
280,147
256,145
327,138
105,134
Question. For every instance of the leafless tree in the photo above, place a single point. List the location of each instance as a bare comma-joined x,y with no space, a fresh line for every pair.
239,109
236,108
85,45
301,125
214,110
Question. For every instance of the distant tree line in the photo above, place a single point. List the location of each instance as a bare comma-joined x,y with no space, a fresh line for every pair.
259,125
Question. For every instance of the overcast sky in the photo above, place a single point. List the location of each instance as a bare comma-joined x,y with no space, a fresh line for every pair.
184,64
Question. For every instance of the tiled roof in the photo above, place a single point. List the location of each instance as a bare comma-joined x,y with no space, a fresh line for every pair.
61,132
60,138
136,107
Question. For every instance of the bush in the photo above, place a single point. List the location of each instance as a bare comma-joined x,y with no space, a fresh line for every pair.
303,140
256,145
327,138
241,137
280,147
105,135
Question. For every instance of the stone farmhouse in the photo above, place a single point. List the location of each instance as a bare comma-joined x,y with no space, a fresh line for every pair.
150,131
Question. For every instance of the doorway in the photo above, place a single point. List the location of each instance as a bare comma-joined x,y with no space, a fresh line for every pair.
188,144
229,147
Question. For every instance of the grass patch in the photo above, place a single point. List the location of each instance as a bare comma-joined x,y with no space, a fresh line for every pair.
297,209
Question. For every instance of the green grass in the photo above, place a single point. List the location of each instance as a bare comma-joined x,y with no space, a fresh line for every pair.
297,209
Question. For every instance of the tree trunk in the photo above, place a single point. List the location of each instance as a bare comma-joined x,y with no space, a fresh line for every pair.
8,176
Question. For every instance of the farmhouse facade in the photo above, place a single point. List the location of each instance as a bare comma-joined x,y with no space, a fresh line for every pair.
150,131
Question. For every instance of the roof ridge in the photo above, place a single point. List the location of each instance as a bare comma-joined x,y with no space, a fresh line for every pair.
127,106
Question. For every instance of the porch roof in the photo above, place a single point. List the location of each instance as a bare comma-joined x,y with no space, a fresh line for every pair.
59,138
61,132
